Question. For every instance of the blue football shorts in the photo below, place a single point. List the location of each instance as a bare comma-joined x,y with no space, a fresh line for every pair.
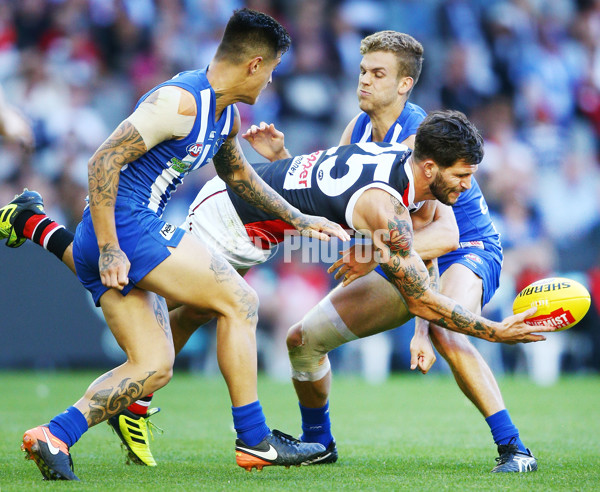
143,237
484,262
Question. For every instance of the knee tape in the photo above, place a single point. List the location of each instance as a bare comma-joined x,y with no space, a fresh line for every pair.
322,331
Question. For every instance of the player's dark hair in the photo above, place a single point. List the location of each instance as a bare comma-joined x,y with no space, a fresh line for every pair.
249,33
447,137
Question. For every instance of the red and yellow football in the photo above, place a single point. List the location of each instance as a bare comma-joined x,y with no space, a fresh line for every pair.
561,302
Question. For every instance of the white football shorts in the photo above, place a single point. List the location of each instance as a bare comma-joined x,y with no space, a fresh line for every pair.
212,217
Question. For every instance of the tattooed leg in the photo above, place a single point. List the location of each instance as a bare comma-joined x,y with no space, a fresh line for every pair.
185,320
140,325
108,401
196,277
162,316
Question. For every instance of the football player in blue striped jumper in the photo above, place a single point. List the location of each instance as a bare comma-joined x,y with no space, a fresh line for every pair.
130,259
470,274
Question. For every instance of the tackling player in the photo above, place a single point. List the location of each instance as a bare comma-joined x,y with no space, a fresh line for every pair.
129,259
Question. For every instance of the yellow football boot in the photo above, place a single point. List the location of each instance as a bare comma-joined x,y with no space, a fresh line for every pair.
133,430
28,200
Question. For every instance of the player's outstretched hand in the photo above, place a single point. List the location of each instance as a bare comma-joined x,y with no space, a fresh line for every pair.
267,140
515,330
319,227
422,355
114,266
356,261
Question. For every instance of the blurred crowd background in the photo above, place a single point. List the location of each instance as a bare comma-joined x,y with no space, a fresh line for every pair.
527,72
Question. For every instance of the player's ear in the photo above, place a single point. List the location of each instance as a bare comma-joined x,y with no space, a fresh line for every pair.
429,168
254,64
405,85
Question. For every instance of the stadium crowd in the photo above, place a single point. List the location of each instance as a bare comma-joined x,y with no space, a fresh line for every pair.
527,72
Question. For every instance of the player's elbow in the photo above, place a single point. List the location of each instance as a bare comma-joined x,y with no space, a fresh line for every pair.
451,243
451,238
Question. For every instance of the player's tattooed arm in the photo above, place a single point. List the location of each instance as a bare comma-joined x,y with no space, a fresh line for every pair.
391,229
434,274
422,355
233,168
123,146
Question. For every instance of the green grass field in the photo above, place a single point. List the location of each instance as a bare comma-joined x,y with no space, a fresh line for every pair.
413,433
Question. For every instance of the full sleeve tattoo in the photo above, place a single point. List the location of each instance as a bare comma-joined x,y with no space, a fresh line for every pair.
408,272
232,167
422,325
123,146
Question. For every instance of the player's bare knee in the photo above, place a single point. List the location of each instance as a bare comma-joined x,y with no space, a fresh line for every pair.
161,376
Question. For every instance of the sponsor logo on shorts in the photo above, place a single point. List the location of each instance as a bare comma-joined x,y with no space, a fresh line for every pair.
179,165
194,149
559,318
299,174
167,231
473,258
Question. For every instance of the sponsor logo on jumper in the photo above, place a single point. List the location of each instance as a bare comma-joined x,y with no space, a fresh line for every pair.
167,231
472,244
194,149
179,165
558,318
299,174
543,287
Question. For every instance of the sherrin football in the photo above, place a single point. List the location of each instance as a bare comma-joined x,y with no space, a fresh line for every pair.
561,302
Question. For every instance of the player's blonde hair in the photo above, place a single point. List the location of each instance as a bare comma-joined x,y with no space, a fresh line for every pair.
408,51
